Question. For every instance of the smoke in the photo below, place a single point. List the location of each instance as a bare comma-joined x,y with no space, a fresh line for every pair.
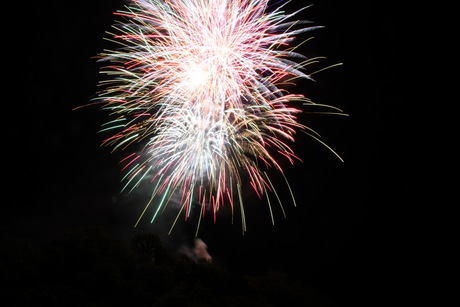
177,233
199,251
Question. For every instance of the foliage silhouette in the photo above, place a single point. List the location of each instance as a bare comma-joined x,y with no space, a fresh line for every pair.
89,267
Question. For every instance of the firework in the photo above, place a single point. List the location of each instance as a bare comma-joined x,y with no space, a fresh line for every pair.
199,84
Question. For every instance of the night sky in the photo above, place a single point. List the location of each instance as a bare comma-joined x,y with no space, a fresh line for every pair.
345,236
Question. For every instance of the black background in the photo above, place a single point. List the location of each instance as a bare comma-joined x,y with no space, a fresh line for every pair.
347,234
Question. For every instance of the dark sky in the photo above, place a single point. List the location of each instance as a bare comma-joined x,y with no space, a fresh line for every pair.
346,233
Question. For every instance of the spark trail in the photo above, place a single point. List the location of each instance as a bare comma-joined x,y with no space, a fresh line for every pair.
199,84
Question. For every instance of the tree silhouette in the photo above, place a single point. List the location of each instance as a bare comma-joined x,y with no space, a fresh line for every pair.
89,267
149,248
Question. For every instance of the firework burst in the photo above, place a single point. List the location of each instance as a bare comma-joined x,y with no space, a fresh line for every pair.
199,84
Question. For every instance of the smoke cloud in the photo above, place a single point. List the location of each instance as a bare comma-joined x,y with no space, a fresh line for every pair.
199,251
